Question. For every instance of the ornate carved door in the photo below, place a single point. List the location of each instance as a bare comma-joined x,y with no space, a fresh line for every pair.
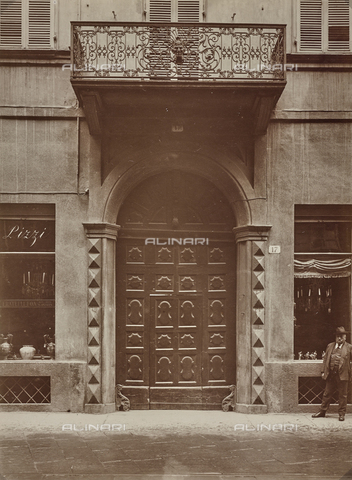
175,303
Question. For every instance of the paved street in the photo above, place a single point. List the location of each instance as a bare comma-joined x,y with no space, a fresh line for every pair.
174,445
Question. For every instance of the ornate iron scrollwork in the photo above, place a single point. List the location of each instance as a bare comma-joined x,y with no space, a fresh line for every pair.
230,400
121,400
171,52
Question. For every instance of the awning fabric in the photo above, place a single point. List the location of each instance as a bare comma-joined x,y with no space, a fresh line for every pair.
313,268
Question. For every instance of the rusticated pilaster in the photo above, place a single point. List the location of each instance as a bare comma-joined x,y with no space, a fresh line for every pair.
94,320
251,242
258,317
100,389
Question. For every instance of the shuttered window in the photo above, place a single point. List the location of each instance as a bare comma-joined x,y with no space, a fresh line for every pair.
160,11
25,24
311,24
325,25
11,23
174,10
188,11
339,25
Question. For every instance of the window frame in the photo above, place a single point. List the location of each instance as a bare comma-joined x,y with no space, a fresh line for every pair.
174,11
25,28
25,300
323,214
325,49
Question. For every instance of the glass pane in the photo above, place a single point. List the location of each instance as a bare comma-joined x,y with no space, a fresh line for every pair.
17,235
321,305
322,237
27,277
27,286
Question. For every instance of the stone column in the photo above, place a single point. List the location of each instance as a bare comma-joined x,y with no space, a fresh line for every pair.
250,314
100,388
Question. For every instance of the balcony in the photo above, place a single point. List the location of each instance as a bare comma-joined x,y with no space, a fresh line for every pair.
151,65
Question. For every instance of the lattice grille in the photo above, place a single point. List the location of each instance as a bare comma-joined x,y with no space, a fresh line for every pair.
311,389
25,390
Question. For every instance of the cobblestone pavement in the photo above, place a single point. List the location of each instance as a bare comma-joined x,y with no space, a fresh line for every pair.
174,445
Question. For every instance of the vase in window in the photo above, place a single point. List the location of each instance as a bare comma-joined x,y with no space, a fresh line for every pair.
27,352
5,346
49,345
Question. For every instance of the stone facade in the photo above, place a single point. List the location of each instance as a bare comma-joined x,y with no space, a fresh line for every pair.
51,155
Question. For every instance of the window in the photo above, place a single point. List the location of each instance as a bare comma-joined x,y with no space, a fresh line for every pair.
174,51
26,24
174,10
322,284
27,275
325,25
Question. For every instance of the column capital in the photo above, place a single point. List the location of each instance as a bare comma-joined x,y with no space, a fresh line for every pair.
251,233
102,230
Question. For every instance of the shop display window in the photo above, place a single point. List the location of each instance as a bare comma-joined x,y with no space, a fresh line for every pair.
322,284
27,279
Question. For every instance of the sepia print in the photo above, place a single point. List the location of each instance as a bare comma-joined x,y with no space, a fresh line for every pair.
175,239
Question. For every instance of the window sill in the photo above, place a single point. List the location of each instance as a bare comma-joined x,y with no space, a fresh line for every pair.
35,57
321,61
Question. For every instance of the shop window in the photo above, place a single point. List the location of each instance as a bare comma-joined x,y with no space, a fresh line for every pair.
27,280
322,284
324,25
26,24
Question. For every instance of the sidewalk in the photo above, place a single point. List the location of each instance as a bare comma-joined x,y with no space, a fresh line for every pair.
174,445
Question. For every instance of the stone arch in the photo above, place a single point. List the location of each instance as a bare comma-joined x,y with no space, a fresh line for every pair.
225,175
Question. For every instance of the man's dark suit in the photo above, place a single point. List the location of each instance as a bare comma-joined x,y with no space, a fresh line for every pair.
337,380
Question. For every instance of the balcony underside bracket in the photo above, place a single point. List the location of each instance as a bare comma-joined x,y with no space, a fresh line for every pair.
92,106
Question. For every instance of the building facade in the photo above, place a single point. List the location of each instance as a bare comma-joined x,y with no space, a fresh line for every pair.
176,202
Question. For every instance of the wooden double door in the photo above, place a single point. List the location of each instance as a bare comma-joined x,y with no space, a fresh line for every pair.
175,322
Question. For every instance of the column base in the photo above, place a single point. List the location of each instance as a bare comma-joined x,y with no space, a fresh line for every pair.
255,409
100,408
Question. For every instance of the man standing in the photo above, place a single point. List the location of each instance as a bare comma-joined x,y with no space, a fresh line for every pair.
336,371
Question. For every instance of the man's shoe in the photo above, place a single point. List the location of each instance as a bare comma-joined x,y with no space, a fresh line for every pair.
341,418
319,414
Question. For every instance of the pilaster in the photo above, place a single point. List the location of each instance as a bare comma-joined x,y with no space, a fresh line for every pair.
100,388
250,338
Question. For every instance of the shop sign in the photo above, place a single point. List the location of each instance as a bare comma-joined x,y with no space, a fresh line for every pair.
27,235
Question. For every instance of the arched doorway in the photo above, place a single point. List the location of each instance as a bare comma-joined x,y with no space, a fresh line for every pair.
175,292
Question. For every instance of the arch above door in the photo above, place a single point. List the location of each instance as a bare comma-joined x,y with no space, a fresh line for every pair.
223,173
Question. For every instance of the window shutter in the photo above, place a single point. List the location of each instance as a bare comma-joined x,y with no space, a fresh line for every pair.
11,23
39,31
311,25
174,11
160,10
188,11
339,25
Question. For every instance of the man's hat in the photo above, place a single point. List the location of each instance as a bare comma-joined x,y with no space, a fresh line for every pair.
340,331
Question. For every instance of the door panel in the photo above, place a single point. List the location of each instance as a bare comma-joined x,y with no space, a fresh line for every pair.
175,324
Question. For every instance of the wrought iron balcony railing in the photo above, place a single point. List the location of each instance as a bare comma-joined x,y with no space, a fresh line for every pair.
178,51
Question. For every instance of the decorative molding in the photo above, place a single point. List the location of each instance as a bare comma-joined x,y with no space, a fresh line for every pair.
102,230
251,233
